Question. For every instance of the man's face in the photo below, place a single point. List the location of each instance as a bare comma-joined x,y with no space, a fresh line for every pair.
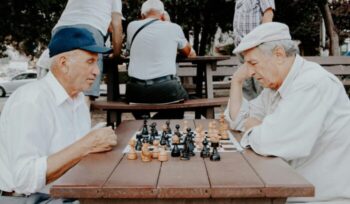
83,69
263,67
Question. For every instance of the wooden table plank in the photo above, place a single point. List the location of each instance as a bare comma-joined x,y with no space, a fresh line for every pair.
279,178
233,177
87,181
183,179
133,179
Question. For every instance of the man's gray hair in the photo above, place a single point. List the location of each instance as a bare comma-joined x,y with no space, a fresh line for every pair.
289,46
152,5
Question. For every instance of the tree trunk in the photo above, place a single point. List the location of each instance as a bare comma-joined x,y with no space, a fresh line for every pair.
334,49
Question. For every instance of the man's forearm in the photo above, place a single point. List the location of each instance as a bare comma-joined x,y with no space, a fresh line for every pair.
267,16
236,97
117,33
62,161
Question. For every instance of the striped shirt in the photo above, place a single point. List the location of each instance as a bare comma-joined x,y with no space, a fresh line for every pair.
248,15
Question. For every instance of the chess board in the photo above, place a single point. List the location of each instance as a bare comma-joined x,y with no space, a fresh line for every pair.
228,145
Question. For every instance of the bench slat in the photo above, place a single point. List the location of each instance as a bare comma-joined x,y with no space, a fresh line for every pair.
188,104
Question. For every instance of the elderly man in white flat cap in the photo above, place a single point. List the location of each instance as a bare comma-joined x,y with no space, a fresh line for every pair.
302,115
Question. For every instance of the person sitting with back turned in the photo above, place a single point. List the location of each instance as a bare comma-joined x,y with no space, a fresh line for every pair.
45,126
153,50
301,116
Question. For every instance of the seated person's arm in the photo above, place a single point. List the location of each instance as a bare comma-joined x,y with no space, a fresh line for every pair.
117,33
99,140
188,51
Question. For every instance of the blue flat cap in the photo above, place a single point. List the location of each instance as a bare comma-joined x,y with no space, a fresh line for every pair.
68,39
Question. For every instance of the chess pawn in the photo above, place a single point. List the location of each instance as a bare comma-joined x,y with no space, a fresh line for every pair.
146,155
163,138
224,135
163,155
168,127
155,152
138,146
132,153
215,156
222,118
175,151
205,151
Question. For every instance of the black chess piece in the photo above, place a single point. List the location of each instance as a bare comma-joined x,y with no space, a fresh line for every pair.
185,153
168,127
177,132
205,151
145,139
176,151
163,139
144,129
138,145
167,140
215,156
154,130
190,142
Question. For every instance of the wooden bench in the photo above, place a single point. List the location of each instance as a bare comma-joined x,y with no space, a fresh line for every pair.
337,65
116,108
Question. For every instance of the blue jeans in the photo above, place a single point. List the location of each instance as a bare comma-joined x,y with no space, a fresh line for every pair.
99,38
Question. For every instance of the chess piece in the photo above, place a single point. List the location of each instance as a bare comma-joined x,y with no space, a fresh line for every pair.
146,155
205,151
215,156
138,143
176,151
177,132
189,139
163,155
168,127
132,153
163,137
155,152
154,131
144,129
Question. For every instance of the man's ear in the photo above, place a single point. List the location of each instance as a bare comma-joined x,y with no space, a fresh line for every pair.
280,54
63,63
162,17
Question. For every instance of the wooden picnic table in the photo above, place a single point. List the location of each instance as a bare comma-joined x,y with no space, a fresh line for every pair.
240,177
205,66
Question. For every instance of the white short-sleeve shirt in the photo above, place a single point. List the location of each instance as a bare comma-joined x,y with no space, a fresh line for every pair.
153,52
96,13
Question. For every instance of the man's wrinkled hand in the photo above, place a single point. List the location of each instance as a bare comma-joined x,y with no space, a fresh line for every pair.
101,140
241,74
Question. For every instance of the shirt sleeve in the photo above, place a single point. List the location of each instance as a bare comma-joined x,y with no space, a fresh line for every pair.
265,4
291,131
117,6
28,125
254,108
181,39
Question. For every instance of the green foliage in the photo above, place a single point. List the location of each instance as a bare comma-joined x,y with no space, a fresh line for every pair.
27,24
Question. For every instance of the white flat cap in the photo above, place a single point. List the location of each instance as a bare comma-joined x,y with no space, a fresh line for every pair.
265,32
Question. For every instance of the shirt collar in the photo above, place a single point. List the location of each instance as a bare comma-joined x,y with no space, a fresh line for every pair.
60,93
296,67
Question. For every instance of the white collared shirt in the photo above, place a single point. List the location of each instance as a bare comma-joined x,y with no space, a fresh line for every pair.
307,123
38,119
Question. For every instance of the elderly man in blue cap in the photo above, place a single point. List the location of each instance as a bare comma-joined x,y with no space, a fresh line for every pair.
302,115
45,126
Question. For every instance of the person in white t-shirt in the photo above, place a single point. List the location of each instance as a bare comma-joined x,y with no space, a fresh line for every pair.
97,17
153,51
45,126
